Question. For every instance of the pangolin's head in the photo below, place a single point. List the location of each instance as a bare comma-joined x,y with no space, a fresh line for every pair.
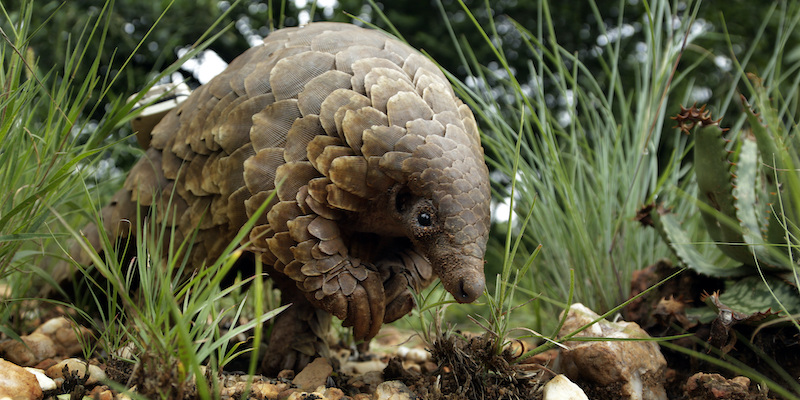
402,116
431,149
444,208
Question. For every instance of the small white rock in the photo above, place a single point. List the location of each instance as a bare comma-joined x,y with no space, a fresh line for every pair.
561,388
68,337
413,354
126,352
44,381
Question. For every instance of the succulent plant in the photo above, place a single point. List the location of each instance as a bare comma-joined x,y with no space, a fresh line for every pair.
747,185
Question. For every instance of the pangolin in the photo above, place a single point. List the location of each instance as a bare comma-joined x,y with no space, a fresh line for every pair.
376,167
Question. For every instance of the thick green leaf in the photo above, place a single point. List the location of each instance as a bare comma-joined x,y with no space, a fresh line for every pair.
751,296
748,207
712,167
681,244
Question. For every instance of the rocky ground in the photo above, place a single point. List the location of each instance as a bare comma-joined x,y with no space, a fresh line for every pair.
46,364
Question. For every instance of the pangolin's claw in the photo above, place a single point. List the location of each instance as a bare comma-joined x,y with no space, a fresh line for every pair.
366,309
363,309
399,299
399,307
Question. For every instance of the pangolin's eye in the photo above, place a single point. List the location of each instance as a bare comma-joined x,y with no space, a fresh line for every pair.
424,219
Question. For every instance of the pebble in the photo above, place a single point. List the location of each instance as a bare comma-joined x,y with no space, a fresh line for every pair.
393,390
18,384
101,393
79,367
65,335
715,386
45,382
366,383
33,349
55,338
561,388
362,367
314,374
633,369
414,354
321,393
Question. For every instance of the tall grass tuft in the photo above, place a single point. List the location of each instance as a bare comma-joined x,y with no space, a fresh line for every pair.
40,153
574,155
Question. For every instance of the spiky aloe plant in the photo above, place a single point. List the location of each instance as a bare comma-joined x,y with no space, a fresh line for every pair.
746,185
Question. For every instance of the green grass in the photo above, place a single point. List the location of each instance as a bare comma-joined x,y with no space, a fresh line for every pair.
172,320
575,172
39,156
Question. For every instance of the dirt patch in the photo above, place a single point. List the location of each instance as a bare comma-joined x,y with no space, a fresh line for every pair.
665,312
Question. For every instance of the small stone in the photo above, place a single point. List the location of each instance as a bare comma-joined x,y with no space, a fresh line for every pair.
320,394
393,390
623,369
741,380
287,374
126,352
67,337
333,394
702,386
56,337
268,390
46,363
44,381
561,388
414,354
366,383
362,367
33,348
125,395
75,366
314,374
101,393
429,366
412,367
18,384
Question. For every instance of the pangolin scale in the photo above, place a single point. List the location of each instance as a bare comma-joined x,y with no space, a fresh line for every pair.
376,167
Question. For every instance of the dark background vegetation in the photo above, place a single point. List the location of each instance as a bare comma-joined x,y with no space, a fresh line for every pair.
579,26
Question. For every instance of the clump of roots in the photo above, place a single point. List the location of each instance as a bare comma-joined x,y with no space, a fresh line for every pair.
157,376
470,368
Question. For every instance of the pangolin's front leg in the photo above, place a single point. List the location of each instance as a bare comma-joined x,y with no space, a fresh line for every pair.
403,271
299,333
312,252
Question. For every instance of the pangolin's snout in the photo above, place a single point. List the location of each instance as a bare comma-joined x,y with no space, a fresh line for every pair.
469,288
462,276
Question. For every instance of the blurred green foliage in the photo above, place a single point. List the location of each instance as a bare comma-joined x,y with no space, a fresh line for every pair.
579,27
